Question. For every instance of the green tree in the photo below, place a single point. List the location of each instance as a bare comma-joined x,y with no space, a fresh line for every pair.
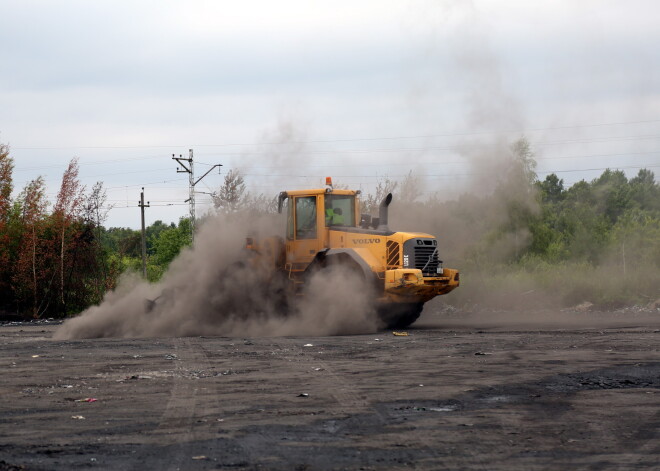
551,190
168,244
636,237
645,191
123,241
514,198
153,231
613,194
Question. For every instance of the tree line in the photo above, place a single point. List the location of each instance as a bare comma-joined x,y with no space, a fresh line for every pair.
51,259
57,259
595,241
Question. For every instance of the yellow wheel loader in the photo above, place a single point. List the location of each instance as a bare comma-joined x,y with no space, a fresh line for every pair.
324,228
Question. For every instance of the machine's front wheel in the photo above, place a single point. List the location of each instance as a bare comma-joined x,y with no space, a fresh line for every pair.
399,315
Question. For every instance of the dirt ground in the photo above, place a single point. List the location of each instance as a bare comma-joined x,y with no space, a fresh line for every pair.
460,391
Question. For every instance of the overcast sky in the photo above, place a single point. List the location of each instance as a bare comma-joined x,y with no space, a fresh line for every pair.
292,91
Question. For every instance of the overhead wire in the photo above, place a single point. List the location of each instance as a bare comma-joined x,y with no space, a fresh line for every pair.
401,149
340,152
447,175
356,139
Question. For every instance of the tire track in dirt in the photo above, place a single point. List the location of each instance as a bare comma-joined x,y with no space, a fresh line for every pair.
176,431
234,453
355,402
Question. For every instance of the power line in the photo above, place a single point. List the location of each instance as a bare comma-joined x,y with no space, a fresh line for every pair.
463,161
461,147
151,170
458,147
600,168
356,139
372,177
123,187
137,206
143,184
93,162
436,175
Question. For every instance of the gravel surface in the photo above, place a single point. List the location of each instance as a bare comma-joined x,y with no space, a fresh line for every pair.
496,391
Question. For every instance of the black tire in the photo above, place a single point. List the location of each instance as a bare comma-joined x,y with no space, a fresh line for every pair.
399,315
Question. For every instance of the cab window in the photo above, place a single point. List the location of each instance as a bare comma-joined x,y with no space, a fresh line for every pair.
340,210
306,217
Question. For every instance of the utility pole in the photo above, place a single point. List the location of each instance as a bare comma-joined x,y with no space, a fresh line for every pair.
144,239
188,167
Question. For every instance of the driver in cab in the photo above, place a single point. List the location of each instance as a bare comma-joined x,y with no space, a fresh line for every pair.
334,217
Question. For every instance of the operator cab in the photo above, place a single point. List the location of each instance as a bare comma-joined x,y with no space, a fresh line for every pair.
311,215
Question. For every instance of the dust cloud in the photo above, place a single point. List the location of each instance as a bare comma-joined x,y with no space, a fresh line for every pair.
481,228
482,220
479,218
214,289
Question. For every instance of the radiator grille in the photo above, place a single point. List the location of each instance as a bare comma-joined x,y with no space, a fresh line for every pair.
426,259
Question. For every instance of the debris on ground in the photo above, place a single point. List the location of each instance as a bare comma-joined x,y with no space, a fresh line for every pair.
654,304
482,353
129,415
436,409
87,399
78,417
303,395
171,356
308,345
400,334
583,307
4,466
133,377
200,457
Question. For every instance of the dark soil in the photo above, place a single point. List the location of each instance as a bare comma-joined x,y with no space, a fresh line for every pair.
500,392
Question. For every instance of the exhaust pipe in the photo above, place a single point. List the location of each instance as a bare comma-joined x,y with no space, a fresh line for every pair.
280,201
382,213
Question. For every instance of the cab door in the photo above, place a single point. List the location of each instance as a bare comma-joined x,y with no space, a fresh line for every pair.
303,230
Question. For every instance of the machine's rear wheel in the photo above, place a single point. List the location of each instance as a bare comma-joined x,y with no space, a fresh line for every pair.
399,315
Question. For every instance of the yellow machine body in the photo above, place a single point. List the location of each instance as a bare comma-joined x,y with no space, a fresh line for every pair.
325,223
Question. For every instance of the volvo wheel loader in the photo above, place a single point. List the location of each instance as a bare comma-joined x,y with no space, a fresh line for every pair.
324,228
